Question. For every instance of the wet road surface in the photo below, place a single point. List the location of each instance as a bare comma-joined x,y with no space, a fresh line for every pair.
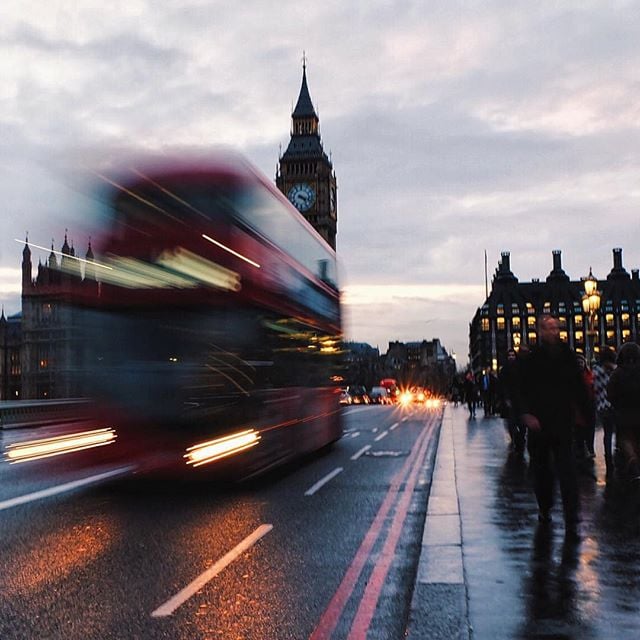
327,547
523,579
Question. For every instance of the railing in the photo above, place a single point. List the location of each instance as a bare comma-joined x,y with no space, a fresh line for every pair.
36,413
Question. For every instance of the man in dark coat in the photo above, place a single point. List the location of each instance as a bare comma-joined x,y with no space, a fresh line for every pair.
552,392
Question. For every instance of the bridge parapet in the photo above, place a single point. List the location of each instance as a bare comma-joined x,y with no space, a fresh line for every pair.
34,413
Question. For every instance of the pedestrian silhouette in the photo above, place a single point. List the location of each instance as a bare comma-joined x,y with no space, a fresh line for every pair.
552,391
509,383
624,394
470,393
604,411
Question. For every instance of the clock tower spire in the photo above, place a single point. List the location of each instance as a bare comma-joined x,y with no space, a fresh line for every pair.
305,172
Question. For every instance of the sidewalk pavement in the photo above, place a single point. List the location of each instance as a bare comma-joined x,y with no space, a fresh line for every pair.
488,570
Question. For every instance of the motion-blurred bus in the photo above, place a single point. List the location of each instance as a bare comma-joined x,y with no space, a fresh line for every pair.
214,341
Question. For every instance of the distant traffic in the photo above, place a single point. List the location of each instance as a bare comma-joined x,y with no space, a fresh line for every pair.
387,392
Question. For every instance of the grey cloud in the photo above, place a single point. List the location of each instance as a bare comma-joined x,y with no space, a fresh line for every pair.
128,46
437,159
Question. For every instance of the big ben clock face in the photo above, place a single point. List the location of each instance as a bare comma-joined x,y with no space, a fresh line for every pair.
302,196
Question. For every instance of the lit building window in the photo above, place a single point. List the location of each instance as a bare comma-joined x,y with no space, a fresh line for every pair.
625,319
531,321
609,319
515,322
578,321
532,337
531,310
500,310
563,322
547,307
578,336
500,322
485,324
611,335
564,336
626,335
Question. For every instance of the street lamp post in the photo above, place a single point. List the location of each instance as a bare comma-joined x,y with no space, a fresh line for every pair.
590,305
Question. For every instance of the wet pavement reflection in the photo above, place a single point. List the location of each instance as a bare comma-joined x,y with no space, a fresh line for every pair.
526,579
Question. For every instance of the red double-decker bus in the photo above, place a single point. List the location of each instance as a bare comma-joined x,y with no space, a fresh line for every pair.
216,334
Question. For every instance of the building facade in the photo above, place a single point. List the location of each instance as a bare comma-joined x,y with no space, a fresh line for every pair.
305,173
507,319
363,364
10,356
43,351
425,363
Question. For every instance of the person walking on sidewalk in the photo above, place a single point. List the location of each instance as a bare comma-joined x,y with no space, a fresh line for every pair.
624,395
509,383
601,374
586,424
470,393
552,390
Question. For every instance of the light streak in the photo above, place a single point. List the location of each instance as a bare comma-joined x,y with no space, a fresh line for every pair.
59,445
200,269
65,255
213,450
135,196
170,193
229,378
133,274
235,253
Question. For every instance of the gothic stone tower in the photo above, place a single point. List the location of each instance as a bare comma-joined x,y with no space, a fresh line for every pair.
305,173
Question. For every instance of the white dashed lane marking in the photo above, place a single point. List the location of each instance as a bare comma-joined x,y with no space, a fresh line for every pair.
364,449
323,481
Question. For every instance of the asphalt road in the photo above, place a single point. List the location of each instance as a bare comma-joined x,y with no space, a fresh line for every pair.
326,548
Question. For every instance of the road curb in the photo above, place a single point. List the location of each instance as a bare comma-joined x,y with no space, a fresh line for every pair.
439,602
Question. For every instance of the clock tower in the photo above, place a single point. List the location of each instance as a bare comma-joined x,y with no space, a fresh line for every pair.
305,173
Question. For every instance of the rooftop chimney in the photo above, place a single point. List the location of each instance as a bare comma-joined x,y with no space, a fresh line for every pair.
557,273
617,259
505,263
618,272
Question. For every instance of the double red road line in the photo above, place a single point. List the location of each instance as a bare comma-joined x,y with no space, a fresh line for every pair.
408,476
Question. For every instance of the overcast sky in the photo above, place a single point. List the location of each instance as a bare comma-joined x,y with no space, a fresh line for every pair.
454,128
